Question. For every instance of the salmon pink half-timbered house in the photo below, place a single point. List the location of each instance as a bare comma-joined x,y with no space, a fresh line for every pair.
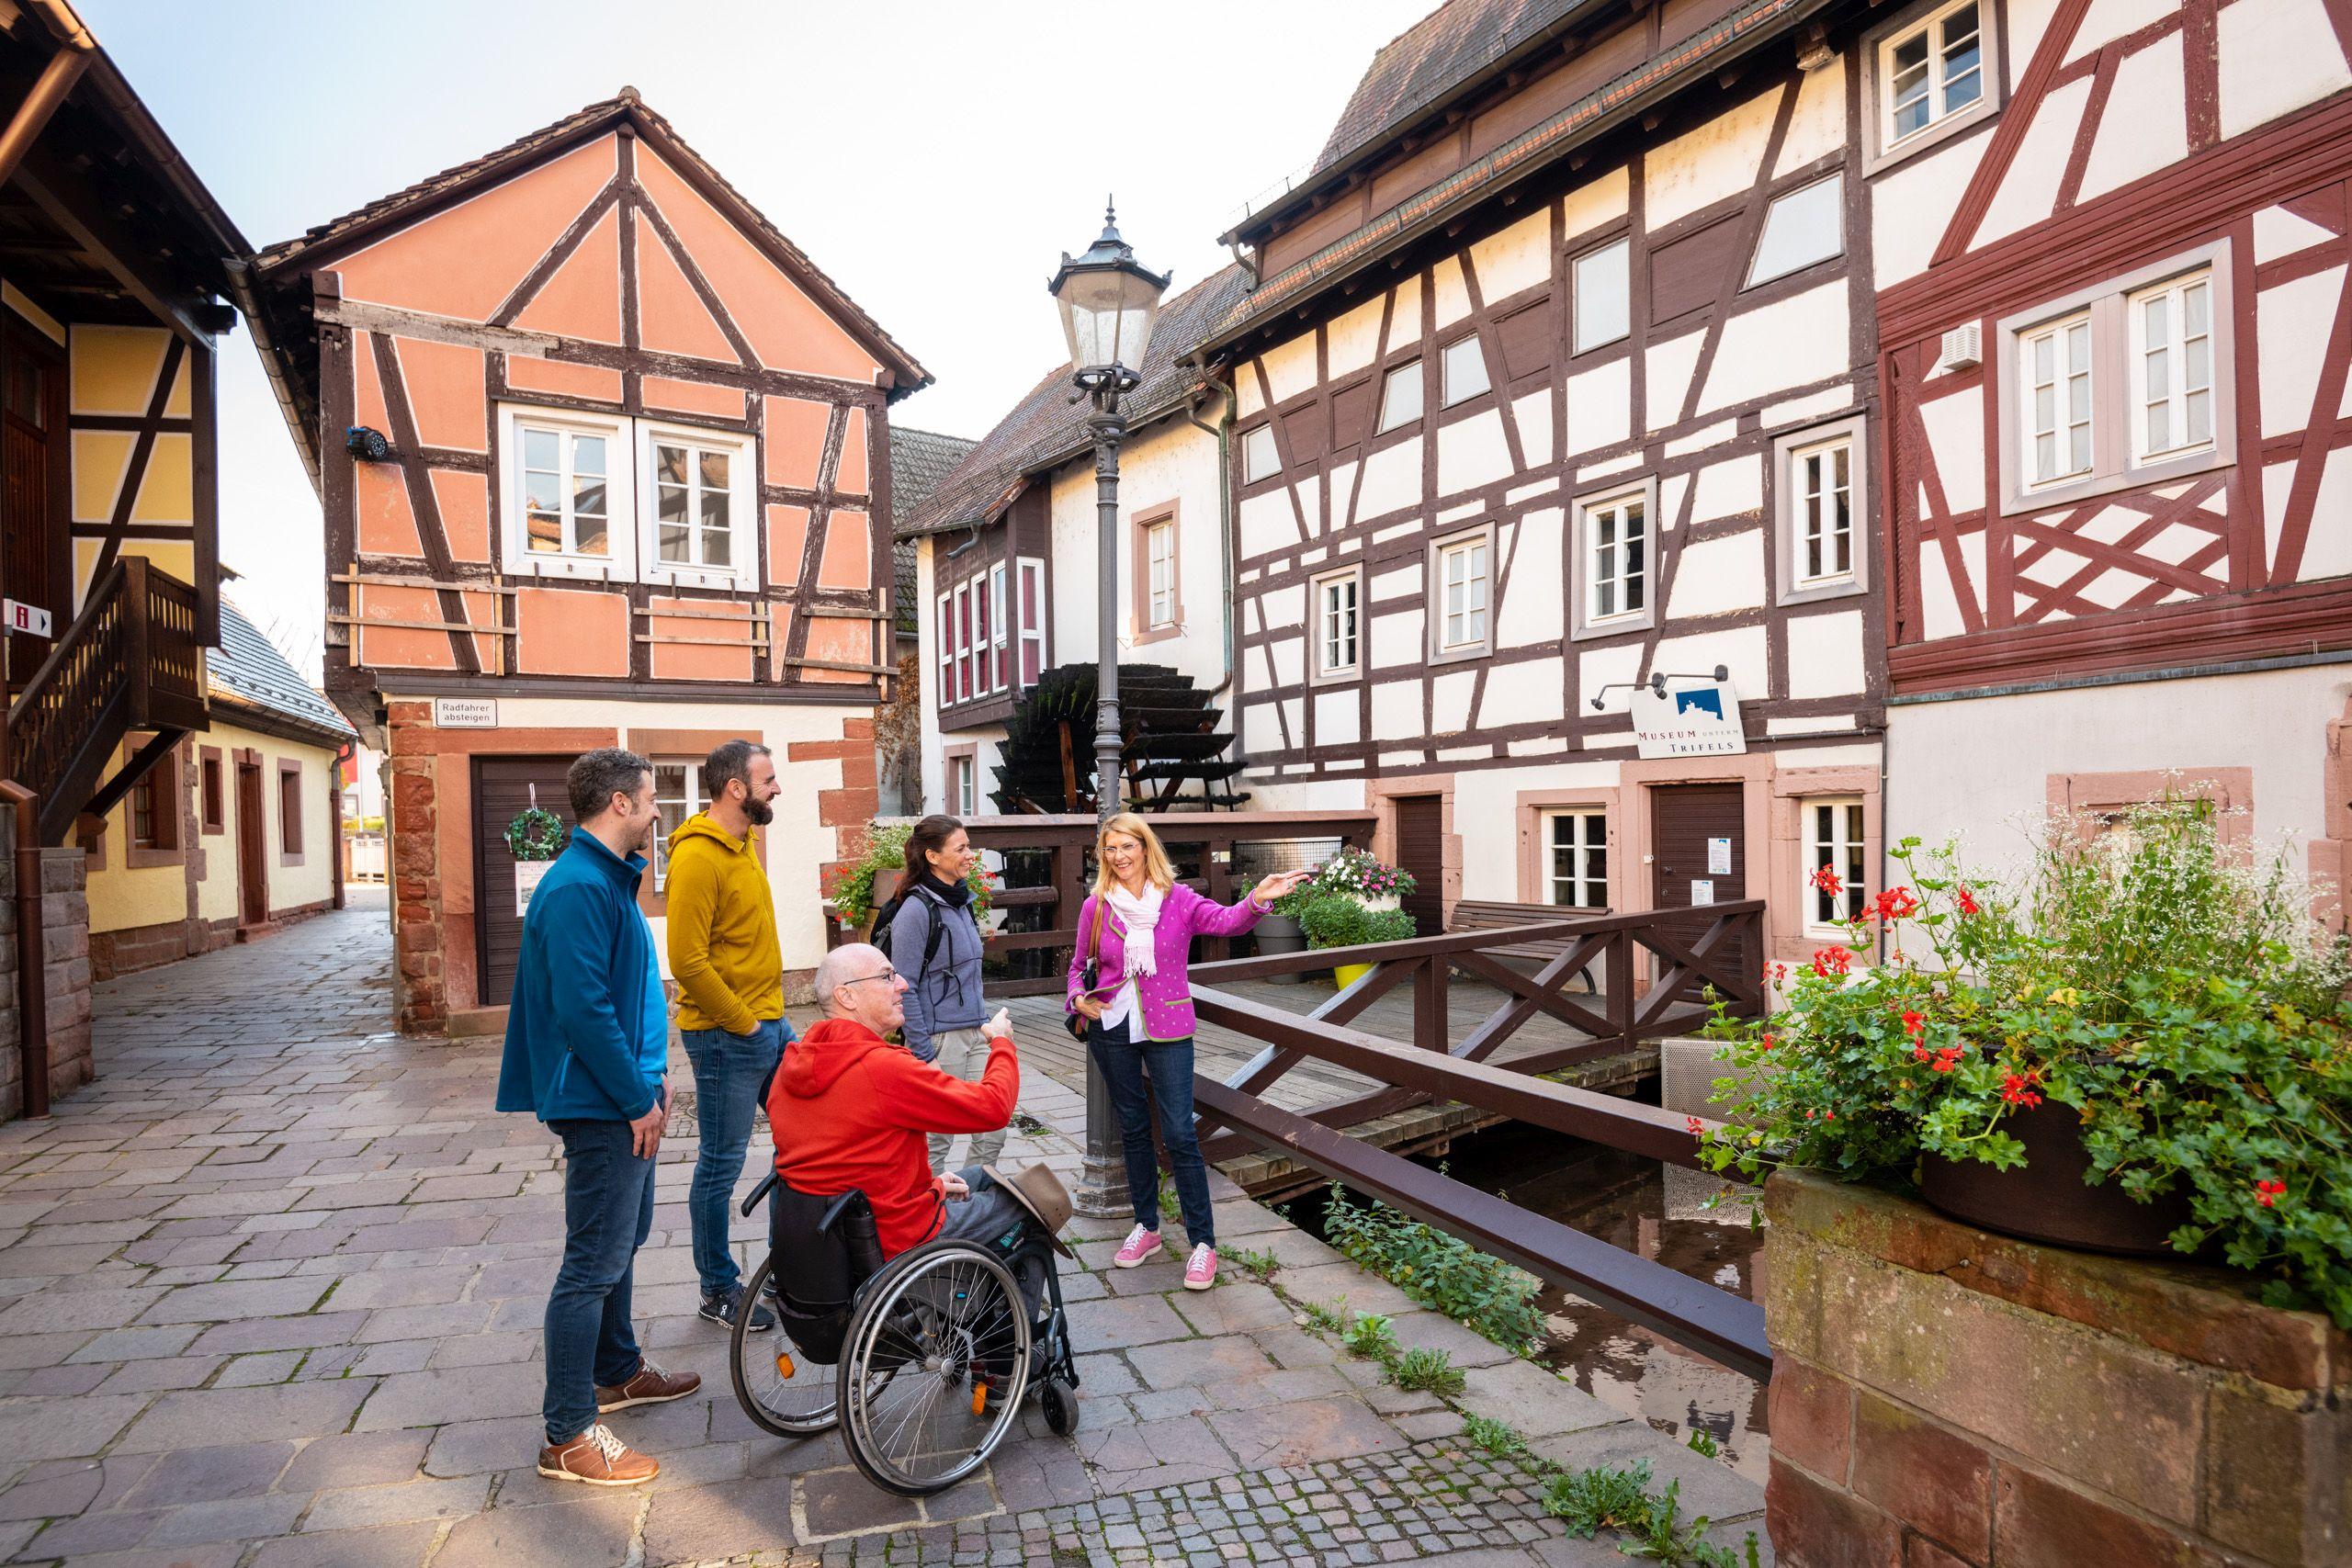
2115,329
603,458
1554,446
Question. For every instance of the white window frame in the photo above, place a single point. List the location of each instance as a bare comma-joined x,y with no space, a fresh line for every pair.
1582,849
1159,573
692,800
1326,672
1030,572
1001,671
1581,340
620,496
2178,393
946,687
2116,461
743,526
1441,552
1407,375
1582,622
1850,856
2073,442
1472,353
964,783
1258,447
1756,274
1878,51
1791,587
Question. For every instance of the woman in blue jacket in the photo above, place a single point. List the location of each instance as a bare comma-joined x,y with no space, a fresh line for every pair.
935,943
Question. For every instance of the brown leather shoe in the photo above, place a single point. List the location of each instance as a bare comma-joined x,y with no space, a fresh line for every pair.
599,1459
652,1385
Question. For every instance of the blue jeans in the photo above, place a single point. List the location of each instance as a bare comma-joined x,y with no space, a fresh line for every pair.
1168,1064
607,1213
729,1071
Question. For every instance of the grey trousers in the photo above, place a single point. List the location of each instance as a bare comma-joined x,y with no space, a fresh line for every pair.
990,1216
964,1054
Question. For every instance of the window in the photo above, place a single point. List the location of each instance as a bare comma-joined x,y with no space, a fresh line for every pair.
1805,226
982,631
154,811
677,794
1823,481
2117,385
1000,672
1159,573
146,813
290,812
1400,396
1033,620
1258,458
1931,73
1834,843
1617,558
693,516
963,785
2172,365
1603,296
1338,624
2057,403
214,800
597,496
1465,369
1577,875
567,492
1461,575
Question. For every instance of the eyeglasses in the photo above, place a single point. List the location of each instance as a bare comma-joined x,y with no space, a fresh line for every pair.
886,974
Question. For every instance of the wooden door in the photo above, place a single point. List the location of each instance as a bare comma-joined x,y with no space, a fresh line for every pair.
1420,851
253,848
31,418
1698,856
503,789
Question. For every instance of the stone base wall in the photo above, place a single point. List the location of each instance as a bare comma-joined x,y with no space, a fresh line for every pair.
135,948
1945,1398
65,920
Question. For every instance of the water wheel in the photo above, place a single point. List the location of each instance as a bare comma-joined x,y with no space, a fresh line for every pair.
1176,756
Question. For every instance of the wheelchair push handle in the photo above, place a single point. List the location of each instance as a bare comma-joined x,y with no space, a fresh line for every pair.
759,1195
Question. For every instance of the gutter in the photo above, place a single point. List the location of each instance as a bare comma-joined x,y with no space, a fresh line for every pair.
56,80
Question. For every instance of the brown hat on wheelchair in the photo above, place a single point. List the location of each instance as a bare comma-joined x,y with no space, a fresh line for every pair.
1037,1188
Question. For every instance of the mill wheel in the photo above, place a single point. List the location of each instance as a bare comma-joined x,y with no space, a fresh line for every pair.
1176,756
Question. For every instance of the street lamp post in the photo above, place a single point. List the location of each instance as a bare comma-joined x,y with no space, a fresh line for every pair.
1109,303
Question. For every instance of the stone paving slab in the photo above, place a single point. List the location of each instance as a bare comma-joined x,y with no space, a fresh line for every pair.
270,1292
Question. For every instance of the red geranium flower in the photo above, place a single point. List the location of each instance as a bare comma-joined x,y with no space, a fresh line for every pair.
1826,878
2017,1089
1967,902
1698,1128
1946,1059
1832,961
1895,903
1914,1025
2268,1193
1769,1040
1776,974
1920,1053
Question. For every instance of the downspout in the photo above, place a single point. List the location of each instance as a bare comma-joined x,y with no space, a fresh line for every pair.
1223,431
32,985
75,49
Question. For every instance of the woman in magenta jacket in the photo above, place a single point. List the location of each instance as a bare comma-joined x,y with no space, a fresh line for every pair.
1140,1019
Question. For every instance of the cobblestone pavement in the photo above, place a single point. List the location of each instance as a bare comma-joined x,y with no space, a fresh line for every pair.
270,1292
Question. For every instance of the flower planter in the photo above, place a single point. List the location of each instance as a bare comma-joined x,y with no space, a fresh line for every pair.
1349,974
1278,935
2046,1198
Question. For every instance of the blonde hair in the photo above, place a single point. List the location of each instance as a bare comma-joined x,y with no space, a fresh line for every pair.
1155,869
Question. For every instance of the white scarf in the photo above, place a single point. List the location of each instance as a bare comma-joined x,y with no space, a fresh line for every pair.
1139,915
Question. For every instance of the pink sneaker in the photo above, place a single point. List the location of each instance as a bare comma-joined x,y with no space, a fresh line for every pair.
1200,1270
1140,1243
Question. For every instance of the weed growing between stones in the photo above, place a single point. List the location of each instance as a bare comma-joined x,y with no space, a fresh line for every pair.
1432,1371
1483,1294
1258,1266
1371,1335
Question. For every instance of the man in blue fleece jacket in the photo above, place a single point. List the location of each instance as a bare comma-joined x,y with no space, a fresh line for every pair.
588,1050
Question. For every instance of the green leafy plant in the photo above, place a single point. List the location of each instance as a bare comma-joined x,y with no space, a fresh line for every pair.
1371,1335
2168,988
536,834
1339,919
1589,1501
1429,1371
1702,1442
1498,1438
851,889
1326,1317
1259,1266
1483,1294
1170,1208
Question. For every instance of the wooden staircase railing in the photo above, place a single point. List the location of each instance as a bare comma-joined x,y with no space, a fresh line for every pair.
130,661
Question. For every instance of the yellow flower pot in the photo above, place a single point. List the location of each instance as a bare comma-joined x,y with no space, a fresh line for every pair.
1349,974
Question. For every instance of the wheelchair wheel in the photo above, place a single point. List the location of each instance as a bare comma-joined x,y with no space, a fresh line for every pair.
776,1385
934,1367
1059,1402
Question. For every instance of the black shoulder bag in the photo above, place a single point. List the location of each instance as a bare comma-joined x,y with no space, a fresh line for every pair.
1088,974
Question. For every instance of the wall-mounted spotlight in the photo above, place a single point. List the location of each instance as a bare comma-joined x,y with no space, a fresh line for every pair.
367,446
1657,684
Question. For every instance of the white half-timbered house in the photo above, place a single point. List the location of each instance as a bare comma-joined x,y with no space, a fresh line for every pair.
2115,332
1556,378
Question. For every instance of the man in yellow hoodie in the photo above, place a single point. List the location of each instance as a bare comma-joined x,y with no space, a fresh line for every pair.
730,1010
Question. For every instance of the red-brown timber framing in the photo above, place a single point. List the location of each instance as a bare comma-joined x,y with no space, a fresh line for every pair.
2243,600
1528,347
323,348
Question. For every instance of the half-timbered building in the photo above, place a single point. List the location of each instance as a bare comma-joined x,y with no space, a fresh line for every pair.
2114,331
604,461
1554,444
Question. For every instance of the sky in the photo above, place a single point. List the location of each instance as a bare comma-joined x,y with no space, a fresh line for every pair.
936,159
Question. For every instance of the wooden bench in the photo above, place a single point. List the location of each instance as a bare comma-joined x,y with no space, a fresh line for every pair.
1484,915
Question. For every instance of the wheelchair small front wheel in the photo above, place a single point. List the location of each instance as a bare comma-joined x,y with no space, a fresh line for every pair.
1057,1401
934,1368
778,1387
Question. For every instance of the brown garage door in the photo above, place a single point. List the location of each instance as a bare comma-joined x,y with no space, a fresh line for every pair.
504,787
1420,851
1700,845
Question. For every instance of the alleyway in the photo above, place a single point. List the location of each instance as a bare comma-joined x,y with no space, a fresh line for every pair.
270,1294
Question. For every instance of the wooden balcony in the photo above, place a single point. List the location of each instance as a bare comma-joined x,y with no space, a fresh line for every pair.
130,661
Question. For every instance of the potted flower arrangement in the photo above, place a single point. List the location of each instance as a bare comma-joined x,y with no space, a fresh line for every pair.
535,838
860,887
1353,898
2144,1047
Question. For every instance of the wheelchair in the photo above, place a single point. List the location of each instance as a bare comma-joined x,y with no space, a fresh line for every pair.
924,1362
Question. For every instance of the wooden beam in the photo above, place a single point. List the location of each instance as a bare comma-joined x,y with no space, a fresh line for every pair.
125,259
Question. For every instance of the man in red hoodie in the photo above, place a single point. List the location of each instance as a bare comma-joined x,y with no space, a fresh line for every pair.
850,1108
